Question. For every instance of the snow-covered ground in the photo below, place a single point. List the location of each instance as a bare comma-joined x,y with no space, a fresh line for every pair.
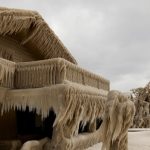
138,140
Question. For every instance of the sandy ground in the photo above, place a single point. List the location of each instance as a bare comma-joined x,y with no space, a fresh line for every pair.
138,140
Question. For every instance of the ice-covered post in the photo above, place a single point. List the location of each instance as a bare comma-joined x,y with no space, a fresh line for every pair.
119,113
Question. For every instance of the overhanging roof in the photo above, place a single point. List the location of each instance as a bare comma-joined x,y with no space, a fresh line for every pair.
32,32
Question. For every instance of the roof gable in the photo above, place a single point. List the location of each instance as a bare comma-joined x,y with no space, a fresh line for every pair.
32,32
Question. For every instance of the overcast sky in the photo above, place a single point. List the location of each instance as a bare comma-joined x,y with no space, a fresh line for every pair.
107,37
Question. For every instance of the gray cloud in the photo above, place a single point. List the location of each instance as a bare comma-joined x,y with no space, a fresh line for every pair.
110,38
